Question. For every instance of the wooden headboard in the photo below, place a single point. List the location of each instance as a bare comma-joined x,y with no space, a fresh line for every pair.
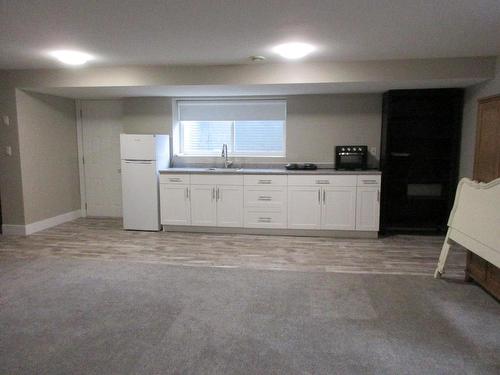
474,221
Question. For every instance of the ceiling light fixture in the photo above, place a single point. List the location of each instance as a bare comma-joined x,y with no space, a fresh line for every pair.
71,57
257,58
294,50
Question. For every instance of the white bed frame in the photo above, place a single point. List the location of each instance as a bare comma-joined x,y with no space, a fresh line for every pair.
474,222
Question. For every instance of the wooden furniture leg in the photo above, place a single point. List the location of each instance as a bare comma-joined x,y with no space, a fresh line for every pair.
443,256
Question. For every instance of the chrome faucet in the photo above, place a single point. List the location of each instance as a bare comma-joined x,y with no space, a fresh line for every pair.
224,154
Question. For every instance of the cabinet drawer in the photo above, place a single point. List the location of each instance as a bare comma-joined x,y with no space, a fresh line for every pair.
214,179
303,180
264,219
178,179
267,197
369,180
277,180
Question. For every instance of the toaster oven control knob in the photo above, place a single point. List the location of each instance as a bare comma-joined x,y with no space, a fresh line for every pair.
343,148
348,149
359,148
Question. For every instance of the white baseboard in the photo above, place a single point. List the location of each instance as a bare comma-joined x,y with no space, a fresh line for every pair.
26,230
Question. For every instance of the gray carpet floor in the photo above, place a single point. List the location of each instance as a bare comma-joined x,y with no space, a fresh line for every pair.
71,316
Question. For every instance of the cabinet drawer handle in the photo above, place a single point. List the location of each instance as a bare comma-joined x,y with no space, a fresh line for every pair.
368,182
264,198
174,179
322,181
264,181
264,220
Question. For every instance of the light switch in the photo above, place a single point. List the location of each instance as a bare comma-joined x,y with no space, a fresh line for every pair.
8,150
6,120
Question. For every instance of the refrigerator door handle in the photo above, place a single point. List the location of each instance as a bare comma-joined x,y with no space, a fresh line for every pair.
147,162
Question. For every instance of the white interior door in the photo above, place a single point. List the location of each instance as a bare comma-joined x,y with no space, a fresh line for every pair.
101,128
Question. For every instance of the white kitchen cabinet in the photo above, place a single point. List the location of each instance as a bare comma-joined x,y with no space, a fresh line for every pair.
174,204
229,205
203,205
338,209
314,207
315,202
368,208
304,207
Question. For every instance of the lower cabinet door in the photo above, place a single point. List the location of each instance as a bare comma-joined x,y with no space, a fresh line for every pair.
203,205
174,204
304,207
368,208
339,208
229,206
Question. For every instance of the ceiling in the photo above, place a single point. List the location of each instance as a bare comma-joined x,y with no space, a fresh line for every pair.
158,32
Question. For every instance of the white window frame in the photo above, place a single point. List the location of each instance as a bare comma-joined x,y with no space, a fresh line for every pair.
177,133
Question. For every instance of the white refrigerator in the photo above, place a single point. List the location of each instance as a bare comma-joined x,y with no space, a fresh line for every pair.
142,156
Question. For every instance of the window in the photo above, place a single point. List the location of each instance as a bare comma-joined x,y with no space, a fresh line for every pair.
248,127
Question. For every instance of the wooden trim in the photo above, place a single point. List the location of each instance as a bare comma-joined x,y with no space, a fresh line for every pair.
487,99
484,100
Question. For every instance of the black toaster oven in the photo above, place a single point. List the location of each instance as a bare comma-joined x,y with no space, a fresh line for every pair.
351,157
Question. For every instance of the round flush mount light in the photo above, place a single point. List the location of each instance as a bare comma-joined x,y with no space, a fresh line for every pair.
257,58
71,57
294,50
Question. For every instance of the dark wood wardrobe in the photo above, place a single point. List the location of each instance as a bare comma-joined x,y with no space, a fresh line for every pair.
419,158
486,169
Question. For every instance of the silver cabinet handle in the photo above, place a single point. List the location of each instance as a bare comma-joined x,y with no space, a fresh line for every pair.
213,193
264,198
324,196
264,220
264,181
378,195
322,182
174,179
219,195
319,196
368,182
187,193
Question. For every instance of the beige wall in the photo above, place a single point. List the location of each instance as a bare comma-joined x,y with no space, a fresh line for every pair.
389,71
49,156
147,115
315,124
472,94
11,190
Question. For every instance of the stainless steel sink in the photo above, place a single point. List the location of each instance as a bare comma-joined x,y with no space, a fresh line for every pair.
224,170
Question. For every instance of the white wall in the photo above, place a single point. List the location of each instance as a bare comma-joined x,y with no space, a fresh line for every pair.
472,95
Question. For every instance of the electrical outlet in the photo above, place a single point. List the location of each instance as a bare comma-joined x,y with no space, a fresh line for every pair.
8,150
373,150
